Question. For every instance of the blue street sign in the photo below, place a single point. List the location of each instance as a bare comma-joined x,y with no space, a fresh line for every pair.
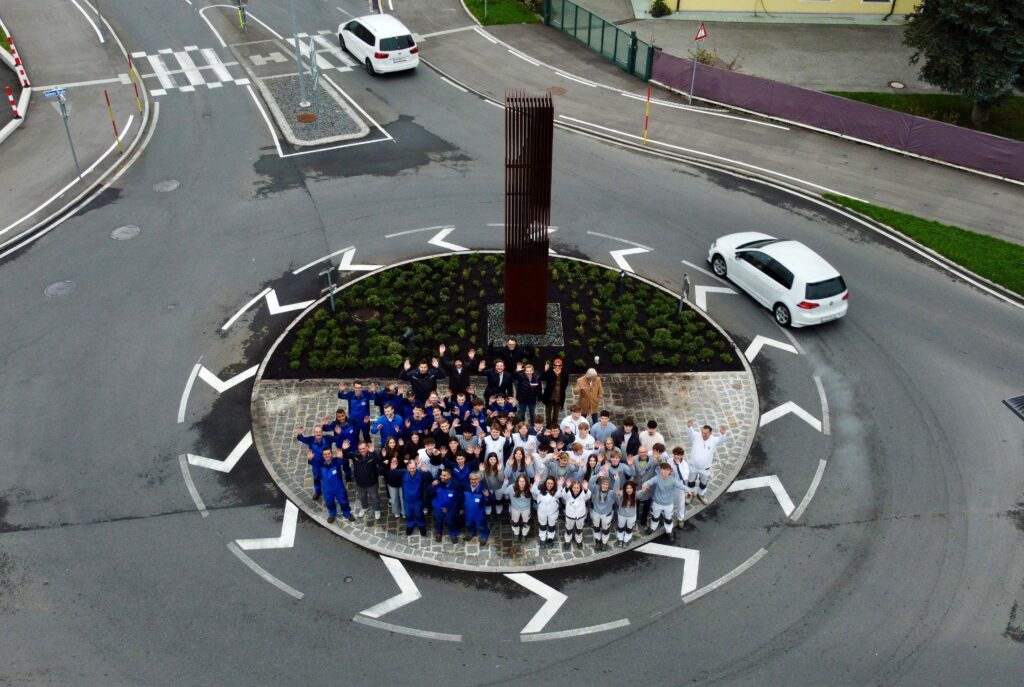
55,92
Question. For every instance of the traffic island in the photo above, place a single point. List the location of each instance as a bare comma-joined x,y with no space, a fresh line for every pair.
292,388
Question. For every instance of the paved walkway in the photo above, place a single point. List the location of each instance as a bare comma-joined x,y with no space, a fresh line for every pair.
279,406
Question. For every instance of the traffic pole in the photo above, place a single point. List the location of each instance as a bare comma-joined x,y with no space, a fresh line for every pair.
10,99
647,116
113,122
135,83
18,66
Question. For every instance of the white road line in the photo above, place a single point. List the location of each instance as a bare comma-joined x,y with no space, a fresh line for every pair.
486,35
259,570
760,342
222,386
619,256
771,482
345,12
398,629
219,68
524,58
160,71
408,592
189,67
736,572
270,126
285,540
453,84
319,260
700,294
553,600
203,15
704,271
787,408
262,294
89,19
358,107
439,240
576,79
346,265
416,231
188,390
229,463
307,54
616,238
707,155
447,31
806,500
265,25
578,632
335,50
497,105
792,340
699,110
190,485
825,425
689,557
76,84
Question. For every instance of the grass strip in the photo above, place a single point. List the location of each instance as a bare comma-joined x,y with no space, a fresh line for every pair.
1007,119
502,12
3,40
999,261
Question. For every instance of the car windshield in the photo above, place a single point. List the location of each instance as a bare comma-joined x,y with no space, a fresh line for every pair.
760,243
397,43
825,289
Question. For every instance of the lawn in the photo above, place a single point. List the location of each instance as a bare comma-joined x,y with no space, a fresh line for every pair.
406,311
3,40
1007,119
502,12
998,261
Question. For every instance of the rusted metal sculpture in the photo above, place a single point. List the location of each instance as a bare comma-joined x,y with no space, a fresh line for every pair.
529,138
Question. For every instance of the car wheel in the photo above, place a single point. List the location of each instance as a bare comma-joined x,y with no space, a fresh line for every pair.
718,266
369,67
341,41
782,315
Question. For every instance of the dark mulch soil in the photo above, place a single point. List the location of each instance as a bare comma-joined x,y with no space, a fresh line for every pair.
406,311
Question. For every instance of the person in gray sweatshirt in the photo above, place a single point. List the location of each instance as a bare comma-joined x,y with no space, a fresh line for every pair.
625,505
663,488
646,468
494,479
520,498
602,502
561,468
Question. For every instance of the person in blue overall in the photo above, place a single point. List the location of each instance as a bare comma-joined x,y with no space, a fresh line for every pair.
413,479
461,470
388,425
359,406
317,444
334,489
475,501
444,497
346,438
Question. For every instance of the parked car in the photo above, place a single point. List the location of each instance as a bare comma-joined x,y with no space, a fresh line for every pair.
381,42
787,277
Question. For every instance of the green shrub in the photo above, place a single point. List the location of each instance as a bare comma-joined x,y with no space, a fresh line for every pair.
725,358
580,363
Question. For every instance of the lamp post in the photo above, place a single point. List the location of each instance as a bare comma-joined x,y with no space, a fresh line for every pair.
298,59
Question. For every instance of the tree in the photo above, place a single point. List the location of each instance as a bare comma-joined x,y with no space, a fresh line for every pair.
971,47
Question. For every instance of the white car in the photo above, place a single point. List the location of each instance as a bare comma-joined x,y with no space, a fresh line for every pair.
381,42
786,277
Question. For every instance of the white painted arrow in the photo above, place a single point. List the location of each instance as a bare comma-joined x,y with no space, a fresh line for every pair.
287,538
409,592
222,386
346,263
773,483
228,463
787,408
690,558
760,342
700,294
553,600
619,256
438,240
273,305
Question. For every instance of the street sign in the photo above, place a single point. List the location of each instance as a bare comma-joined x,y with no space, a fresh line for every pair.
55,92
702,33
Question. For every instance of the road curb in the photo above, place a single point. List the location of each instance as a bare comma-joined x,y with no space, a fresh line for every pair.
26,93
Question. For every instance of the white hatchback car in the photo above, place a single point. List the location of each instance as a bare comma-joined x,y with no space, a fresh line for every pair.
381,42
786,277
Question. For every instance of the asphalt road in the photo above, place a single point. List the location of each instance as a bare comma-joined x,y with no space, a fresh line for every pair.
905,568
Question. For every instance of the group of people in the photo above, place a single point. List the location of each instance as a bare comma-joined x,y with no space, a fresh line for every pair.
467,459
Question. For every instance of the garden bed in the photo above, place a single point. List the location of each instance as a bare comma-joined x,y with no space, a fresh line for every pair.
406,311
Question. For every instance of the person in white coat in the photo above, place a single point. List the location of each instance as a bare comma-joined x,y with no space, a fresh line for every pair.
702,456
574,495
546,496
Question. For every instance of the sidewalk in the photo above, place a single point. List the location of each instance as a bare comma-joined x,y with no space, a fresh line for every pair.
795,156
37,173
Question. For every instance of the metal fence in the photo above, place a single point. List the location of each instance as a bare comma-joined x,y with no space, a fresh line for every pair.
600,35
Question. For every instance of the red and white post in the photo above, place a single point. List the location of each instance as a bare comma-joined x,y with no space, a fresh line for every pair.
14,105
18,66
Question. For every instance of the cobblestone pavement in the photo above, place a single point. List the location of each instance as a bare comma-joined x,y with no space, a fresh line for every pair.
279,406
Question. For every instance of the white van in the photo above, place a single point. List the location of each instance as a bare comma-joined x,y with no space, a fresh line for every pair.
381,42
786,277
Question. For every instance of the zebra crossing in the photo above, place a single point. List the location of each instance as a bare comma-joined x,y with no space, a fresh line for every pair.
328,47
178,70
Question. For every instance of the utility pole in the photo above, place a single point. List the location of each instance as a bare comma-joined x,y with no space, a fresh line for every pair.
303,102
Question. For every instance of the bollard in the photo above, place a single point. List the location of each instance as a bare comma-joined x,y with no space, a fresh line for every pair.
18,66
113,122
10,99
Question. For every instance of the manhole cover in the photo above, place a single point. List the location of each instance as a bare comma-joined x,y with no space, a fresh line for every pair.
897,85
1016,404
166,186
59,289
556,90
129,231
306,117
366,314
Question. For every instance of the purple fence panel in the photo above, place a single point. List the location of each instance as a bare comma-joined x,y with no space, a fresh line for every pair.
917,135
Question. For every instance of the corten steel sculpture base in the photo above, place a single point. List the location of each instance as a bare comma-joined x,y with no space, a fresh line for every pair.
529,135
